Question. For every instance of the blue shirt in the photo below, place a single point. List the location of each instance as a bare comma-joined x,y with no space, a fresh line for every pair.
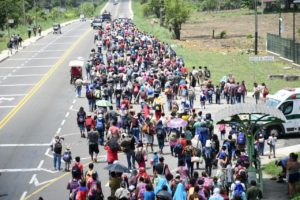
149,195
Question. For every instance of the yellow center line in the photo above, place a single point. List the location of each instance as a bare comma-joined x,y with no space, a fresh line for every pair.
41,82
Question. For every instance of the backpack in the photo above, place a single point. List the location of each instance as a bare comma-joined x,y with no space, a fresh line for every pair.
88,175
113,144
238,190
266,91
136,89
178,148
150,92
227,145
191,94
207,73
207,183
160,133
241,139
139,157
158,107
126,143
100,124
89,94
81,117
57,147
151,129
184,92
94,191
142,190
76,173
74,185
67,156
208,153
105,91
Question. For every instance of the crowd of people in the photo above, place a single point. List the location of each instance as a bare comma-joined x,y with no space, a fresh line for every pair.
149,98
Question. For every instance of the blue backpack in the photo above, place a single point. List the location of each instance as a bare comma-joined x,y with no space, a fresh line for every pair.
238,191
100,124
208,153
178,148
241,139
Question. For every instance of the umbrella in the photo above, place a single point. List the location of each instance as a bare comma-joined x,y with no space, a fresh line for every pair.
177,123
103,103
117,168
119,37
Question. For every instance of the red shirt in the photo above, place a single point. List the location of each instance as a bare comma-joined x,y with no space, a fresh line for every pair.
182,141
184,70
111,155
80,166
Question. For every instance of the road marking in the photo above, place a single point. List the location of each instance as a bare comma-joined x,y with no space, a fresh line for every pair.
26,67
71,107
7,107
7,98
63,122
23,195
33,90
14,70
67,114
16,85
27,170
38,58
58,130
22,75
11,95
74,101
32,178
44,51
41,164
25,145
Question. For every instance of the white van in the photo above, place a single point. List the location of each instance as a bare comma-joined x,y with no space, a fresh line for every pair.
288,101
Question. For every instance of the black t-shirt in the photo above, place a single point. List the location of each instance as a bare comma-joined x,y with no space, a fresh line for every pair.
160,168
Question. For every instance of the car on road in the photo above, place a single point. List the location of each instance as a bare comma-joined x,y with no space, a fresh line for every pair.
116,2
288,101
96,23
56,28
106,16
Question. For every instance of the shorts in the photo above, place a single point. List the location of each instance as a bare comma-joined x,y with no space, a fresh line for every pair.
81,127
148,139
93,148
293,178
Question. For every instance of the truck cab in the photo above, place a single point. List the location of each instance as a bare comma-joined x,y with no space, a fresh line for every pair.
288,101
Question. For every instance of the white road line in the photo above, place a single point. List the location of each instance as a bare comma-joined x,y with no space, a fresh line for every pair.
71,107
67,114
63,122
58,130
25,145
23,195
16,85
27,170
27,59
74,101
26,67
44,51
14,70
7,107
41,164
12,95
32,178
22,75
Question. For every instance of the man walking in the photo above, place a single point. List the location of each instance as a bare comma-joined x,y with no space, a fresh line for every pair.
93,136
56,147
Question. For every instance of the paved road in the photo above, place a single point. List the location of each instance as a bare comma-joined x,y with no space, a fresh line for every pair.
37,102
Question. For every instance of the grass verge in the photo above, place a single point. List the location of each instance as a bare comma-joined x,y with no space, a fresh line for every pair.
22,30
274,171
220,63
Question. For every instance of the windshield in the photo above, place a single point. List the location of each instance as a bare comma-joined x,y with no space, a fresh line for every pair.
272,103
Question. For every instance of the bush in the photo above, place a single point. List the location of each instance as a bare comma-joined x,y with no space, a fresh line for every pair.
249,36
222,34
87,9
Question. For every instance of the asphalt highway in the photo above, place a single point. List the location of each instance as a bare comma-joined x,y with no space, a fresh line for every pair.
37,102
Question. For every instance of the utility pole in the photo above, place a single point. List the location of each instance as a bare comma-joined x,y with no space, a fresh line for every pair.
24,13
279,20
294,32
256,31
162,13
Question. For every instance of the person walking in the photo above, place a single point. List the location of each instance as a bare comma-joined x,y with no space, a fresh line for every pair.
272,144
77,169
93,144
253,192
293,167
78,87
56,148
208,156
127,143
261,144
81,116
67,157
256,92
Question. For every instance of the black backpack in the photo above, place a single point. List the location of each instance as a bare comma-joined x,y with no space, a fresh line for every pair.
76,173
57,147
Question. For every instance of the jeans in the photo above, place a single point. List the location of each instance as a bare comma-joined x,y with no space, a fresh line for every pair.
78,90
190,165
118,102
136,133
101,136
218,99
261,147
57,160
161,143
208,166
191,102
130,159
272,149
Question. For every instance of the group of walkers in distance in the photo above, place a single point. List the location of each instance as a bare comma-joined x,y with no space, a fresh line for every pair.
15,42
140,94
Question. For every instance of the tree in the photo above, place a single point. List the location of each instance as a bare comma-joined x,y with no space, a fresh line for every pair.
87,9
177,13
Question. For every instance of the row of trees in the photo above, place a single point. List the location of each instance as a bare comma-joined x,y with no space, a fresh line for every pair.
26,11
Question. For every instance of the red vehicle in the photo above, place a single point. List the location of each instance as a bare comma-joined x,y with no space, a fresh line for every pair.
75,70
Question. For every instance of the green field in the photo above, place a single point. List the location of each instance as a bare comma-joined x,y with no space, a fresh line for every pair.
221,63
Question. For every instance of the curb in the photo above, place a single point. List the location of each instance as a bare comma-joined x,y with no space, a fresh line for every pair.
4,54
280,152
